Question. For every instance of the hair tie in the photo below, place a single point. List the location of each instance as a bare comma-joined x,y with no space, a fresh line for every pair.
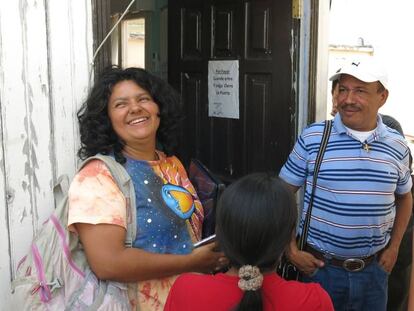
250,278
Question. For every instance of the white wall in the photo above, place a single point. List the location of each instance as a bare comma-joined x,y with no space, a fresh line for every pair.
322,59
387,26
45,56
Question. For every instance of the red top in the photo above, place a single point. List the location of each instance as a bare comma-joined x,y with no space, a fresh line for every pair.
220,292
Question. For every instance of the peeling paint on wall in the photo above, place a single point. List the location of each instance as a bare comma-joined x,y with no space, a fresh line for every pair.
44,67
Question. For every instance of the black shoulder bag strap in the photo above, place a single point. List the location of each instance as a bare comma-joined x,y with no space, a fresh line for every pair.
318,162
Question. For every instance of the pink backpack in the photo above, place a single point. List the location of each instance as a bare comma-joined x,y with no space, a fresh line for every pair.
55,274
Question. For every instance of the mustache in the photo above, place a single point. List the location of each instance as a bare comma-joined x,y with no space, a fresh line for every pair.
349,105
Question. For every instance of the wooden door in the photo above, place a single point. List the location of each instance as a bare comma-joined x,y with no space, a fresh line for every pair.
259,35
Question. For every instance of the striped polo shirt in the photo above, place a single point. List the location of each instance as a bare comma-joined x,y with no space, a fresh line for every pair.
354,203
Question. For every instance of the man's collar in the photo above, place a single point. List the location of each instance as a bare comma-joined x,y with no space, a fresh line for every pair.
338,125
340,128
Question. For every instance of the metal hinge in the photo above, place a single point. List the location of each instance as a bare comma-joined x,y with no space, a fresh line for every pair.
297,9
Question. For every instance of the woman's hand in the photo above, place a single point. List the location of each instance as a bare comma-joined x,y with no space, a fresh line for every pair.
206,259
110,260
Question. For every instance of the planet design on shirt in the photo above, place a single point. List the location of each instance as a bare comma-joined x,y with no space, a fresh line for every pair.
179,200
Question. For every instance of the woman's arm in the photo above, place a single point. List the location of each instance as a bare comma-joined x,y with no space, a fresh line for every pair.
109,259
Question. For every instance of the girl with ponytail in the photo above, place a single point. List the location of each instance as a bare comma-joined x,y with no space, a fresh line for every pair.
256,216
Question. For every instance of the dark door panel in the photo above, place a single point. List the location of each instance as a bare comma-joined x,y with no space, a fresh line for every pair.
193,112
258,120
259,31
191,29
226,32
258,35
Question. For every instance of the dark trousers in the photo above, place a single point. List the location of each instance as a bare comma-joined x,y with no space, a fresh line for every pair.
399,279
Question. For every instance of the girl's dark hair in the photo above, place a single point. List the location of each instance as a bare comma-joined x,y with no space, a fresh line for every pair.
256,216
96,132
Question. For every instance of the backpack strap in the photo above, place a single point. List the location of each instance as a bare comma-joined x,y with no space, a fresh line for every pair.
60,189
126,186
319,157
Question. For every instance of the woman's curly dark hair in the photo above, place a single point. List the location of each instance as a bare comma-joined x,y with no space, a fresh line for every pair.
96,132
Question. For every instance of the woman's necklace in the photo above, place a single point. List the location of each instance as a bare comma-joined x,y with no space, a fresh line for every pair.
142,156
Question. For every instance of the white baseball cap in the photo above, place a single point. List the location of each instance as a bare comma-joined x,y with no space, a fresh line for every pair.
366,70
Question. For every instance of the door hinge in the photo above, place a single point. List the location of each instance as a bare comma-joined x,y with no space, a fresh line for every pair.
297,9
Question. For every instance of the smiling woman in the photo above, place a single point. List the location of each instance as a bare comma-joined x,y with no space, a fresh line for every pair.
128,113
135,118
123,88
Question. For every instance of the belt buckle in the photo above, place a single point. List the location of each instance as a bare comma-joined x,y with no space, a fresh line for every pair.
353,264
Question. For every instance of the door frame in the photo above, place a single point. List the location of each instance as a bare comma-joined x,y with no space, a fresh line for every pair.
311,61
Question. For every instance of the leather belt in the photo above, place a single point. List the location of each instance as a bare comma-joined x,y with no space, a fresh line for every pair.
349,264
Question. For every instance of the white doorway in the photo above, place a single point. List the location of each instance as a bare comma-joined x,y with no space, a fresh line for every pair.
130,43
133,42
380,29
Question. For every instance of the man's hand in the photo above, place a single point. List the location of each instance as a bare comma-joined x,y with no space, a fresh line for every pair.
304,261
403,210
388,258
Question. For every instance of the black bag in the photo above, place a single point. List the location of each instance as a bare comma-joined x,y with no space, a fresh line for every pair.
286,269
209,189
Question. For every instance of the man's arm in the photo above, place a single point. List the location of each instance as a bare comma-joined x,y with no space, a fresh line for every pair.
293,188
304,261
403,212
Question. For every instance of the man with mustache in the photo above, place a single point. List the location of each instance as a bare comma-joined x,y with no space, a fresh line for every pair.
362,201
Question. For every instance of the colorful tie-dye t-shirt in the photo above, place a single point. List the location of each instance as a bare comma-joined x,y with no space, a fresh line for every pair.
169,214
